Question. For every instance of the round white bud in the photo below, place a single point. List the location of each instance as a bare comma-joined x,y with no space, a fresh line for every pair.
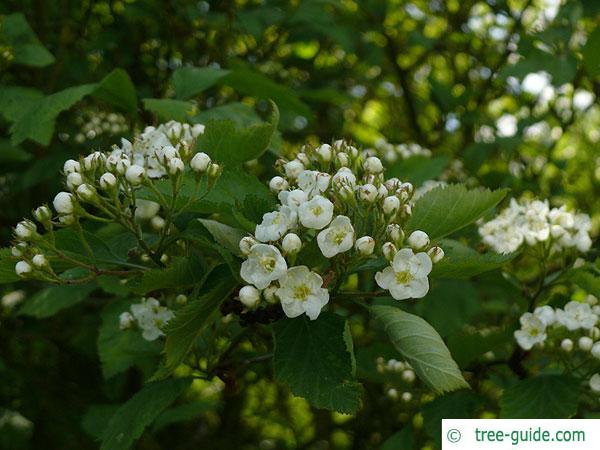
373,165
181,299
324,152
291,243
408,375
595,382
278,184
365,245
86,192
596,350
269,295
108,181
418,240
91,161
392,393
249,296
566,345
126,320
389,250
200,162
64,203
71,166
23,268
585,343
406,397
436,254
342,160
246,244
214,170
39,260
392,184
25,229
367,192
382,192
175,166
170,152
303,159
293,168
74,180
394,232
18,250
391,205
42,214
135,174
157,223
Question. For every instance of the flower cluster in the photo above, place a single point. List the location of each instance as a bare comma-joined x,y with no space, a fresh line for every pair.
336,199
96,123
108,186
149,316
531,222
573,327
392,152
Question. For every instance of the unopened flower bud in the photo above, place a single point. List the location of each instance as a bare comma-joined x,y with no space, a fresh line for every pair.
92,161
382,192
406,210
389,250
71,166
157,223
19,249
406,397
324,152
64,203
303,159
418,240
214,170
126,320
392,184
135,175
39,261
181,299
595,351
436,254
67,219
595,331
23,268
246,244
108,181
278,184
392,393
367,193
86,192
169,153
293,168
175,166
74,180
566,345
200,162
408,375
342,160
365,245
394,232
269,295
391,205
42,214
373,165
25,229
291,243
249,296
585,343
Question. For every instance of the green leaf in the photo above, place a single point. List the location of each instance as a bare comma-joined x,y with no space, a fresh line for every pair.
190,81
117,89
12,153
26,47
541,397
37,123
446,209
591,53
50,301
96,418
422,347
7,267
168,109
418,169
226,236
230,146
17,100
183,330
121,349
403,439
461,261
313,358
130,420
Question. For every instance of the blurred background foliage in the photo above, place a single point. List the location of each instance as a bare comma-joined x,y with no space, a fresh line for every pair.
502,94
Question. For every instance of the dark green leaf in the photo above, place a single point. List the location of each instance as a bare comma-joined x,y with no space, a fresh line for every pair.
190,81
49,301
167,109
418,169
26,48
117,89
591,53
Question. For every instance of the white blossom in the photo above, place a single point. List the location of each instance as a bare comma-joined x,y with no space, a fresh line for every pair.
344,177
316,213
365,245
293,168
576,315
146,209
135,174
275,224
406,277
301,292
108,181
293,199
264,265
64,203
337,238
151,317
418,240
313,182
200,162
532,332
278,184
391,204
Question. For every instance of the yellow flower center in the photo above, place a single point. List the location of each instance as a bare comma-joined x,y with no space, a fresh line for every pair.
317,210
403,277
338,237
301,292
268,263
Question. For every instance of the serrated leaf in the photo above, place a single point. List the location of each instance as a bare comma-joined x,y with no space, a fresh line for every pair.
50,301
461,261
313,358
130,420
16,100
189,321
117,89
224,235
26,47
422,347
190,81
231,146
168,109
541,397
447,209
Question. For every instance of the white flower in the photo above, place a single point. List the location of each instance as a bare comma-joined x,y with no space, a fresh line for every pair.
407,275
151,317
324,152
301,292
12,299
576,315
337,238
368,193
146,209
293,199
278,184
135,174
249,296
316,213
373,165
389,250
546,314
533,331
108,181
418,240
64,203
293,168
275,224
71,166
200,162
264,265
313,182
344,177
595,382
22,268
365,245
291,243
391,204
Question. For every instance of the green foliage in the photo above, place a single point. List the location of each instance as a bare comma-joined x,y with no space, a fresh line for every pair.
447,209
422,347
418,169
26,47
314,359
130,420
52,300
190,81
591,53
167,109
541,397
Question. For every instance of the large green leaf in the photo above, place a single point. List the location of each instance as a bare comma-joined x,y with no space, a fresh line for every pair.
447,209
541,397
49,301
224,235
16,100
121,349
168,109
190,81
315,360
591,53
189,321
422,347
130,420
117,89
26,48
231,146
461,261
